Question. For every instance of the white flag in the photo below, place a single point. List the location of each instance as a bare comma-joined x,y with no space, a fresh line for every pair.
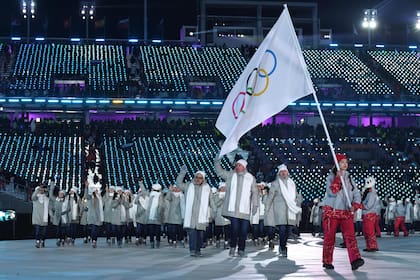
275,76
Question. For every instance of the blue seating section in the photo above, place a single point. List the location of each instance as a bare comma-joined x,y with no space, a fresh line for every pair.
159,158
168,68
345,65
37,65
39,158
403,65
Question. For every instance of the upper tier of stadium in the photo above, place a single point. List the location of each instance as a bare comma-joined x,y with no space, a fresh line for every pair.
149,71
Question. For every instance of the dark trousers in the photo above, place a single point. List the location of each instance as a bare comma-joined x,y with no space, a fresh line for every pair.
175,232
61,231
40,232
284,231
154,232
84,231
225,230
108,230
239,231
141,231
73,230
94,230
195,239
117,231
270,232
258,230
130,230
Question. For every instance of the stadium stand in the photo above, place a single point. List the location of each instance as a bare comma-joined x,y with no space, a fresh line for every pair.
403,65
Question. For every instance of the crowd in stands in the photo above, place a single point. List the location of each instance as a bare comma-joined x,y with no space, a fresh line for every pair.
190,72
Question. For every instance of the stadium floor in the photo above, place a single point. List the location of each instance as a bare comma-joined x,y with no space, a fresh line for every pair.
398,258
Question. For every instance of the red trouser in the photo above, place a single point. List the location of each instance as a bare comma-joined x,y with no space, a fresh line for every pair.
331,219
378,226
369,221
400,223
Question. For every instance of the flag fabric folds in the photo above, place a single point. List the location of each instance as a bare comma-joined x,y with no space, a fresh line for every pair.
275,76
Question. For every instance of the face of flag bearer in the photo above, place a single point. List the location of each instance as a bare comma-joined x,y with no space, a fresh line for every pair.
343,164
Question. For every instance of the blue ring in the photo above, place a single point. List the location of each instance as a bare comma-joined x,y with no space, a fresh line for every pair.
274,67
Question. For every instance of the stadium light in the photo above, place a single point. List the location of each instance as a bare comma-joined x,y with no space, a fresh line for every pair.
369,22
28,8
418,20
87,12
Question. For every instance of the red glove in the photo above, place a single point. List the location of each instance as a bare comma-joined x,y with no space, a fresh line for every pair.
336,185
357,206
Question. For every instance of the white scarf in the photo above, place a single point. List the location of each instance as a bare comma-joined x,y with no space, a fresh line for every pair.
74,209
132,213
144,201
204,205
154,197
100,208
245,199
289,194
123,213
45,201
64,208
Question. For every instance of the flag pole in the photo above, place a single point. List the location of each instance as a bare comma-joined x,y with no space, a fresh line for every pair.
330,144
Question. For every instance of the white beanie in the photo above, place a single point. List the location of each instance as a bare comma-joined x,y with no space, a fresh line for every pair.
74,189
156,187
222,184
118,188
316,200
202,173
282,167
111,187
370,183
242,162
213,190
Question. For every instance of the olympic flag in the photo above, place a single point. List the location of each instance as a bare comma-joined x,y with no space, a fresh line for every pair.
275,76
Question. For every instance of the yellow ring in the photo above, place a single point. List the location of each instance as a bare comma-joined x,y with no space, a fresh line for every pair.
266,83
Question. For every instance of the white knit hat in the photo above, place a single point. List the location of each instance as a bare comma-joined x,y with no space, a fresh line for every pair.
282,167
222,184
202,173
156,187
111,187
369,183
316,200
242,162
118,188
74,189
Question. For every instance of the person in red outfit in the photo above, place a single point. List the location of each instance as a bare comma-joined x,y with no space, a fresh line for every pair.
337,211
